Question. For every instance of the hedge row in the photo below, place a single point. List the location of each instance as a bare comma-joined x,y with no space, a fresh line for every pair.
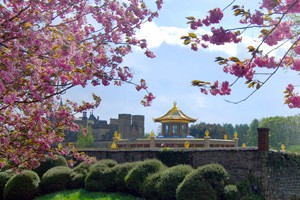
150,179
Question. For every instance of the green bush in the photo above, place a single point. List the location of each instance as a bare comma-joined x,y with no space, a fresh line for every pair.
170,179
100,180
216,176
121,171
79,174
22,186
149,188
194,187
136,177
50,163
231,192
56,179
103,164
252,197
4,177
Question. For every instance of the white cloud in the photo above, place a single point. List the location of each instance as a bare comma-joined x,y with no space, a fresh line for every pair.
156,36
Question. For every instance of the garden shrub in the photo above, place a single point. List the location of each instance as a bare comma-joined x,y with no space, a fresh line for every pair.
231,192
103,164
136,177
149,188
216,176
22,186
100,180
121,171
252,197
79,174
50,163
194,187
4,177
100,177
56,179
170,179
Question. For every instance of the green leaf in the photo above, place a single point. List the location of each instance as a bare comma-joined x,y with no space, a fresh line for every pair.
251,85
219,58
184,37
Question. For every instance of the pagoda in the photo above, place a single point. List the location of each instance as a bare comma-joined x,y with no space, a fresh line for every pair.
174,123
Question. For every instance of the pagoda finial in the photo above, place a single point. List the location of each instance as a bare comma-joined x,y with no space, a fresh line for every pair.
175,103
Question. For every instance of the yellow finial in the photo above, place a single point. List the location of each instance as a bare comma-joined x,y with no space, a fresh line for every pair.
152,134
225,137
207,133
116,134
187,144
235,135
113,145
282,147
175,103
243,145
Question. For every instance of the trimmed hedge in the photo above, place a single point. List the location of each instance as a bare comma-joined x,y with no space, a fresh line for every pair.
136,177
149,188
102,163
194,187
100,180
78,175
120,171
231,192
50,163
100,176
216,176
4,177
170,179
22,186
213,175
56,179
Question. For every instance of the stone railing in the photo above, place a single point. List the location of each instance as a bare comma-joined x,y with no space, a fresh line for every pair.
154,142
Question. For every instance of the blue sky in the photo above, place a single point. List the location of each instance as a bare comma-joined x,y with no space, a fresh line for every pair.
169,75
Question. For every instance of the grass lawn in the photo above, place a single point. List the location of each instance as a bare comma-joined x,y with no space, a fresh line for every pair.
82,194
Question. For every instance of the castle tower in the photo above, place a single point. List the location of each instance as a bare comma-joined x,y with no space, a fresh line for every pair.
124,121
138,123
174,123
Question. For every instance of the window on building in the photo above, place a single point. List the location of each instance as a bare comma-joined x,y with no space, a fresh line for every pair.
167,129
175,129
184,128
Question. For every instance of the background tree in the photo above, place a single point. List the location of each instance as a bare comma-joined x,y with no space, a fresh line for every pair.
252,133
48,47
273,25
242,130
85,138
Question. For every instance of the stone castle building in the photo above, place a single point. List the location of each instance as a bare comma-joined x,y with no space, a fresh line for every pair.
127,125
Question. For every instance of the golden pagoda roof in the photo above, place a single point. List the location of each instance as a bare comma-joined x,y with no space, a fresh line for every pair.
174,115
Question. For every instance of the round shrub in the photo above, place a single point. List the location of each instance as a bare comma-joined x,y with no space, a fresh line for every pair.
102,164
4,177
121,171
56,179
170,179
136,177
50,163
100,180
79,174
194,187
216,176
149,188
22,186
231,192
